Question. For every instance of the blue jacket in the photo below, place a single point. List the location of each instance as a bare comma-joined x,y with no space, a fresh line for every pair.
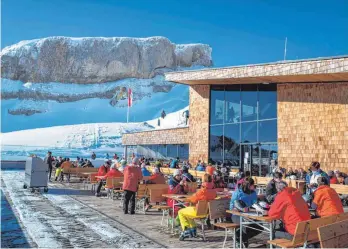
173,164
318,172
145,172
200,168
240,195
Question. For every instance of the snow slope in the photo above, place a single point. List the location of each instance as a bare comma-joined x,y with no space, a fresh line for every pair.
148,103
79,140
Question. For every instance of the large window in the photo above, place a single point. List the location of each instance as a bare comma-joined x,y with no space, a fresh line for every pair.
241,114
161,151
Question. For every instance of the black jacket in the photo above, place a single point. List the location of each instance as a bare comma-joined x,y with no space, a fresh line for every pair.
271,191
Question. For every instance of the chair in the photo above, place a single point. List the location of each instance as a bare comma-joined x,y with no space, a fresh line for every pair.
156,196
112,184
334,235
141,197
201,214
305,233
218,211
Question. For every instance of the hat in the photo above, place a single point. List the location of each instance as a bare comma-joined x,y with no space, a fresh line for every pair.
177,172
107,162
135,161
330,173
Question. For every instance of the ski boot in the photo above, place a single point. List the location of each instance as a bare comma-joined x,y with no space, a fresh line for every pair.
185,234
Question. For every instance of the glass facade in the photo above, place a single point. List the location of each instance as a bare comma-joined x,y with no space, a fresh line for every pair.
160,151
243,125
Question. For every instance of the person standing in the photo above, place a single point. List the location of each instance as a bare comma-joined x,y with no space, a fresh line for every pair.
132,177
48,160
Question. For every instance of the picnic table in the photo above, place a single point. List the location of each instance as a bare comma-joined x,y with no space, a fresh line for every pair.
249,218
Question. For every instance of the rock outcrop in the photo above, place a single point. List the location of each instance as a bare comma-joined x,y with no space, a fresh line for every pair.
97,60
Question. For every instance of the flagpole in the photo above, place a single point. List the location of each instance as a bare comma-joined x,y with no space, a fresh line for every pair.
127,113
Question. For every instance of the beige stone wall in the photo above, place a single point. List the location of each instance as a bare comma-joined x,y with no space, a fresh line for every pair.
199,123
313,125
166,136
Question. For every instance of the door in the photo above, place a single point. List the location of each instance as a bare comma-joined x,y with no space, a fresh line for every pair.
259,159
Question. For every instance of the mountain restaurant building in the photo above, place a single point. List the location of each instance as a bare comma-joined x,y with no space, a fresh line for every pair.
257,116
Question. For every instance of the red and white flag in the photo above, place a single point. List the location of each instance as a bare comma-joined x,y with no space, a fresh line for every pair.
130,97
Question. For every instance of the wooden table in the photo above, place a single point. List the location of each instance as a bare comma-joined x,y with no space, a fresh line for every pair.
249,218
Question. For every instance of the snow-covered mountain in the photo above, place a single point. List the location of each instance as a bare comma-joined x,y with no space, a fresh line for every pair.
59,81
80,140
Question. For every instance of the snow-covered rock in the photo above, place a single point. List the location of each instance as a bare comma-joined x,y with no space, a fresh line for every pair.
97,59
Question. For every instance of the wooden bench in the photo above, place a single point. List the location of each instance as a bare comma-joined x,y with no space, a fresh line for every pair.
217,210
340,189
306,231
114,187
334,235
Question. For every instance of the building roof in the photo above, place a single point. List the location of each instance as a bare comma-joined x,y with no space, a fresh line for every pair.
328,69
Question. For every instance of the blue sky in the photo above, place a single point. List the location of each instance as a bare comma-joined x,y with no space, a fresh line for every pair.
240,32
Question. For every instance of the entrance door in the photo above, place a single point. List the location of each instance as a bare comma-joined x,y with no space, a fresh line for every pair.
259,159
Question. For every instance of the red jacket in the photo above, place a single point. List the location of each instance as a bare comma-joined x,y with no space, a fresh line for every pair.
102,170
289,207
157,179
113,173
132,176
210,170
334,180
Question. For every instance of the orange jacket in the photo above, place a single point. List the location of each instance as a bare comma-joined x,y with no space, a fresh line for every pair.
204,193
328,202
66,164
113,173
210,170
157,179
289,207
132,176
102,171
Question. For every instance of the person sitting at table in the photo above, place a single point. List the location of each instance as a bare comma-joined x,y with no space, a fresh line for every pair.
200,167
242,177
326,201
123,165
113,172
290,208
333,178
247,194
177,185
210,169
206,193
316,172
301,175
102,171
144,170
218,181
187,175
156,178
132,177
271,188
65,165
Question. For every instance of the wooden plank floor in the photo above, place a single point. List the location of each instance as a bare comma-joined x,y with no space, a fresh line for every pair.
149,224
